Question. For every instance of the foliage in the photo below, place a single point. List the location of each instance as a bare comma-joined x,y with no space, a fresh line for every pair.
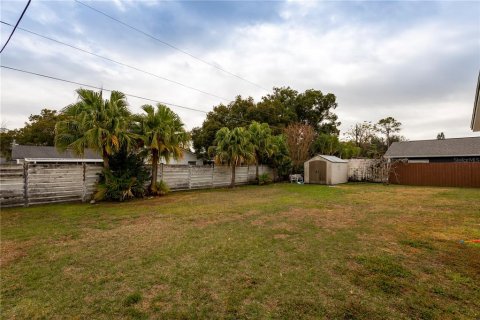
6,140
299,138
234,147
388,126
125,178
162,132
97,124
441,136
331,145
283,107
280,160
162,188
264,178
261,139
40,130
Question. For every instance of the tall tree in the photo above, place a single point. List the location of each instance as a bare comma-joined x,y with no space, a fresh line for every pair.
388,126
101,125
233,147
261,138
40,130
164,135
299,138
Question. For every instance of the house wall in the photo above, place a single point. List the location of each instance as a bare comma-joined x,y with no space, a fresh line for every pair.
187,157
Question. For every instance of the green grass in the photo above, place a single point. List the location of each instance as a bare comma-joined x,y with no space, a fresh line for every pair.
356,251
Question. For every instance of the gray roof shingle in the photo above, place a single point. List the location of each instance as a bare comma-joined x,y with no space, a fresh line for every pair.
435,148
47,152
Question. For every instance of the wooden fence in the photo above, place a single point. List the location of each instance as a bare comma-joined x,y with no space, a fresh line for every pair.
30,183
447,174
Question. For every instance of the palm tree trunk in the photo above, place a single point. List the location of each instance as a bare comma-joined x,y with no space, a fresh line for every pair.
232,183
106,164
153,183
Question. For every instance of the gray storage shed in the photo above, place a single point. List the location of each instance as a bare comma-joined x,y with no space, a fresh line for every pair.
326,170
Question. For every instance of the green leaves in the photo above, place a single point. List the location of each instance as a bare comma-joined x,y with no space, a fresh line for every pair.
234,147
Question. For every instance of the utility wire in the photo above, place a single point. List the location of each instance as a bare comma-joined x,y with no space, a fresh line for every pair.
170,45
126,94
16,25
117,62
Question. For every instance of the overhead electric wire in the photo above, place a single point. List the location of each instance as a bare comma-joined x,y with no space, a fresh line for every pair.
100,88
126,94
170,45
117,62
16,25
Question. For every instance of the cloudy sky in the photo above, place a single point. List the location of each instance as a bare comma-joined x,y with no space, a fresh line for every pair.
416,61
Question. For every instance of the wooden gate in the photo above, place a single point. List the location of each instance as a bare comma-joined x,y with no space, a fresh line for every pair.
317,171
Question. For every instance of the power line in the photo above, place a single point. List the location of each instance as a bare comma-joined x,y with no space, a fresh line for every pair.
126,94
100,88
170,45
16,25
117,62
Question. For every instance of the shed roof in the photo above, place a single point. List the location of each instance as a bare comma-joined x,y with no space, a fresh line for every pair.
435,148
329,158
50,153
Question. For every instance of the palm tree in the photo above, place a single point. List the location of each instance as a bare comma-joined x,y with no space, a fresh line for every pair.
163,134
233,147
261,138
96,124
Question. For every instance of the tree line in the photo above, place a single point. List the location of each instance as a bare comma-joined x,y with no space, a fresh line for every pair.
282,130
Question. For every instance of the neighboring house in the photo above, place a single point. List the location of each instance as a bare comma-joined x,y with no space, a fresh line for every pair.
475,124
189,158
47,154
323,169
428,151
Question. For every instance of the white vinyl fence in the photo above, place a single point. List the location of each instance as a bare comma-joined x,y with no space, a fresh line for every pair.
27,184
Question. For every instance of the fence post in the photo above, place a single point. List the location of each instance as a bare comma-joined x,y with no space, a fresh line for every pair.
25,184
84,189
213,178
189,177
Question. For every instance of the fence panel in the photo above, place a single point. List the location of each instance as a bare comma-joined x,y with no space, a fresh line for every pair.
46,183
11,185
447,174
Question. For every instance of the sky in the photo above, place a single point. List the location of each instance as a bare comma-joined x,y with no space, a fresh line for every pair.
418,62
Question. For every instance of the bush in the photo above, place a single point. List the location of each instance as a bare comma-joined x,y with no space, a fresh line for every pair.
162,188
264,178
126,178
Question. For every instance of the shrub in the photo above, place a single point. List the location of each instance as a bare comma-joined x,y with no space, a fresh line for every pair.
264,178
162,188
126,178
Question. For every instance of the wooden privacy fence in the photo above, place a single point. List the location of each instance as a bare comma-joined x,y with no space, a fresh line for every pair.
29,183
447,174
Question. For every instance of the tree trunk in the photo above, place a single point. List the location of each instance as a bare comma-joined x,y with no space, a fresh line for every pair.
232,183
153,183
106,164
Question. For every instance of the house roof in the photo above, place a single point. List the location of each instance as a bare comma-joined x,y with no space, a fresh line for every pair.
475,124
329,158
47,153
435,148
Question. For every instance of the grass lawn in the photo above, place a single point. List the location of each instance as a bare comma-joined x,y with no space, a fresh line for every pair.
357,251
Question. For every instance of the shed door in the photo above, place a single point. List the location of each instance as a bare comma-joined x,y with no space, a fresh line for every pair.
317,171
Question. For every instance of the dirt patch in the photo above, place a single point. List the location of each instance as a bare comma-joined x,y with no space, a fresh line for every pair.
281,236
12,251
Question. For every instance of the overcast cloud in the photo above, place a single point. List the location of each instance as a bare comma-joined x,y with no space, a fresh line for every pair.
416,61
